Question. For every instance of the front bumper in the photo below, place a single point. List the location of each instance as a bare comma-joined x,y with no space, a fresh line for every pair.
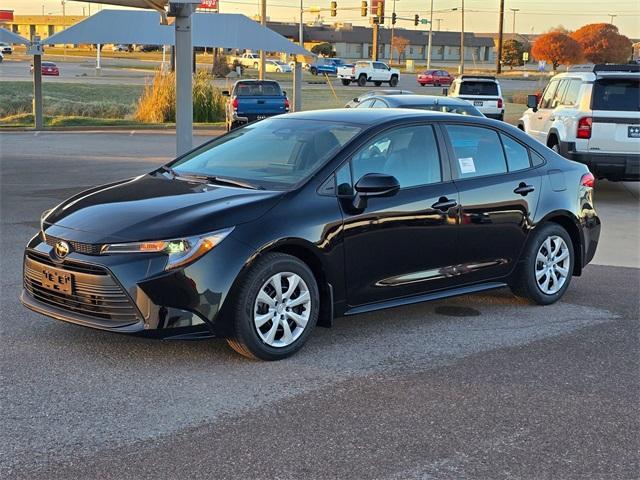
132,293
613,166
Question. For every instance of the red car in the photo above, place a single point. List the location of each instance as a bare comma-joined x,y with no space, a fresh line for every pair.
48,68
435,77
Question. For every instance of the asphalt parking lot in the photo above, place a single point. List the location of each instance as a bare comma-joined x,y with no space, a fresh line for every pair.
494,388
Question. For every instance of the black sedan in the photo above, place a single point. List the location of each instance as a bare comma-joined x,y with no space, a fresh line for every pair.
262,234
422,102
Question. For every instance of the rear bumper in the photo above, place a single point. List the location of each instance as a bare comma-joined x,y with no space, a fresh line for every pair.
495,116
242,118
613,166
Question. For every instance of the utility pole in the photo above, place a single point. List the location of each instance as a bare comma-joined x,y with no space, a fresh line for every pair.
64,26
439,20
500,32
301,31
393,33
430,37
374,50
611,16
263,22
514,10
297,67
462,42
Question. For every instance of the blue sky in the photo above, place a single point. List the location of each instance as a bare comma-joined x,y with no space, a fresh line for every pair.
480,15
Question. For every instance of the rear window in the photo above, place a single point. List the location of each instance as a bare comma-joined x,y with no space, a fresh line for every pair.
621,94
478,88
257,89
459,109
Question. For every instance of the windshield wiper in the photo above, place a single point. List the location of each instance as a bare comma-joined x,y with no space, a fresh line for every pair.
170,170
225,181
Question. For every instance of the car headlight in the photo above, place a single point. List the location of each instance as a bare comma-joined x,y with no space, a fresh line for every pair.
180,251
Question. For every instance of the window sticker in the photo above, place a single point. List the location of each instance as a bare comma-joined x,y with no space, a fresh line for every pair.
467,165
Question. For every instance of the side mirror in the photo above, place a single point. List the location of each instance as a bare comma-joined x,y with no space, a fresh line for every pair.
374,185
225,93
357,100
532,102
445,91
284,94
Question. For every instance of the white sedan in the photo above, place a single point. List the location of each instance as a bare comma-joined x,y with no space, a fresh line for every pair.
277,66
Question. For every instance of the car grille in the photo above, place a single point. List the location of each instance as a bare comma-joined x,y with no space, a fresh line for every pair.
85,248
94,291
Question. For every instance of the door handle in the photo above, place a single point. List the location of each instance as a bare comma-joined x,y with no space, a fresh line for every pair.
523,189
444,204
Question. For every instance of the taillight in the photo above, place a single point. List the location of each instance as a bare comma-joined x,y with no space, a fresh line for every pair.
286,104
588,180
499,103
234,103
584,128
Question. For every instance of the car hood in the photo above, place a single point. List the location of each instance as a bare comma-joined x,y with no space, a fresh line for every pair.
155,207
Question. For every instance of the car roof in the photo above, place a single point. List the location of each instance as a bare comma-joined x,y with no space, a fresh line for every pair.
422,100
368,117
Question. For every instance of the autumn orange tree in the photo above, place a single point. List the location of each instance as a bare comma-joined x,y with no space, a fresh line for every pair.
603,43
400,45
557,48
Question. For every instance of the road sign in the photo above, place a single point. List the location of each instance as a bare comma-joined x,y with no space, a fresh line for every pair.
525,56
424,21
211,4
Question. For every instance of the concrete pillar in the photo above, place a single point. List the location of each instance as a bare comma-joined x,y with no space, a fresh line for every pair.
297,86
184,79
37,92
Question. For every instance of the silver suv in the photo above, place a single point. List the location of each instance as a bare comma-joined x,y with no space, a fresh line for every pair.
591,114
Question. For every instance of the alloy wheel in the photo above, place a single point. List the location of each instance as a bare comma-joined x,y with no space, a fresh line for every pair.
282,309
552,265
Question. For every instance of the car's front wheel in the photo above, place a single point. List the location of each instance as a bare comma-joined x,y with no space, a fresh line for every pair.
276,307
546,269
394,81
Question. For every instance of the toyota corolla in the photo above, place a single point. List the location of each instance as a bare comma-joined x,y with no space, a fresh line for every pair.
262,234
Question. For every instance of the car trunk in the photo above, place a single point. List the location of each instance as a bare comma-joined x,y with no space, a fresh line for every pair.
615,108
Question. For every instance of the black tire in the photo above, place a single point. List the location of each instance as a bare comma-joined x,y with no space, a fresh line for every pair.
313,71
243,337
346,82
393,81
362,80
524,282
377,84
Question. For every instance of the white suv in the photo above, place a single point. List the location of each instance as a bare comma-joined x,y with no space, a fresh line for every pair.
591,114
481,91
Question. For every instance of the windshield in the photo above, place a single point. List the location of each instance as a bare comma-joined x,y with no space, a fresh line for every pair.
275,153
621,94
478,88
459,109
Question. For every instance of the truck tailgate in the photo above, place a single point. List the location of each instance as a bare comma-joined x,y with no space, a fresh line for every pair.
261,105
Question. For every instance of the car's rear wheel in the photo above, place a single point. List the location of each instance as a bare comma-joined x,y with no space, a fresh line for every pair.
394,81
346,82
276,307
362,80
546,269
313,71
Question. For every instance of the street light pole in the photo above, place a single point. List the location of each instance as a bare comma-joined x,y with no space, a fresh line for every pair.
301,31
462,42
392,34
439,20
263,22
612,16
500,34
430,37
64,26
514,10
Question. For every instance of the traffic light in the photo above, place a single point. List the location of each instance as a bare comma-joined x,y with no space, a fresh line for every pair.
380,11
416,19
363,8
334,9
393,18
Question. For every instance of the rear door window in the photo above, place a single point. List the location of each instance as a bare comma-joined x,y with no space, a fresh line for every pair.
478,151
478,88
619,94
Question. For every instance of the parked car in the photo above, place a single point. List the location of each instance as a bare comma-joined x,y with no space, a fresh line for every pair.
149,48
367,71
248,60
48,68
1,57
354,103
482,91
326,65
252,100
6,49
259,235
435,78
277,66
122,48
421,102
590,114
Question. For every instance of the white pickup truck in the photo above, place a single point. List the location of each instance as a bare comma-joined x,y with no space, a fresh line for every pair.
367,71
247,60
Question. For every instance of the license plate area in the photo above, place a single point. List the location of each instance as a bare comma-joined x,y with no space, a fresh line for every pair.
478,103
57,280
260,117
633,131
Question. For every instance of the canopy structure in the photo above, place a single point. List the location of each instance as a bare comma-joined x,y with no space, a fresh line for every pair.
9,37
219,30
